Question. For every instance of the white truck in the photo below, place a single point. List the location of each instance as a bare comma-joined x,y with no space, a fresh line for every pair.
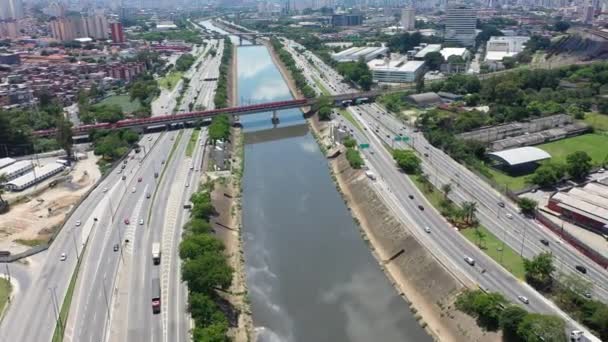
156,253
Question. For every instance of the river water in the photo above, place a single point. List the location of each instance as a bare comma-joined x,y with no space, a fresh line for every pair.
310,275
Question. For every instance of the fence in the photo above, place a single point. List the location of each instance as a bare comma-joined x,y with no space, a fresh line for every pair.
576,243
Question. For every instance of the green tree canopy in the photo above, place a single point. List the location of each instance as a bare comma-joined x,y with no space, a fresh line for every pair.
527,205
547,174
538,328
407,161
539,271
578,164
434,60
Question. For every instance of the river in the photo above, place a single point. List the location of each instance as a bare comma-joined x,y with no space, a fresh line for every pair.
311,277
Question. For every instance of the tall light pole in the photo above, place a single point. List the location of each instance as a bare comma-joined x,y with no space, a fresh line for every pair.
56,309
523,241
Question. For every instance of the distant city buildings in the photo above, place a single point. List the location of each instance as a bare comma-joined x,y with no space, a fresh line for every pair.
460,24
408,19
9,29
389,71
69,28
117,33
346,19
498,48
11,9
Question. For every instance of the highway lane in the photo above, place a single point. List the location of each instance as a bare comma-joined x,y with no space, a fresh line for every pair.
38,301
395,187
519,232
94,293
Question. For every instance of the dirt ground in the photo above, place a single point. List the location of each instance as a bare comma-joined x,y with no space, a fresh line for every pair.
29,218
227,225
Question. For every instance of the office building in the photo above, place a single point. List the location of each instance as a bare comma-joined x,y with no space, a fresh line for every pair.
388,71
354,54
117,34
460,25
588,12
346,19
11,9
408,19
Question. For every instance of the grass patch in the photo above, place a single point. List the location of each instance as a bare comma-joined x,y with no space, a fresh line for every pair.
324,90
5,292
489,243
598,121
504,180
594,144
124,101
67,302
494,248
31,242
348,116
170,81
192,143
162,173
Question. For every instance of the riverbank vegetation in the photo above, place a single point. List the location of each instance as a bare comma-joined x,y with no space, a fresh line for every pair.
221,91
219,128
205,270
290,64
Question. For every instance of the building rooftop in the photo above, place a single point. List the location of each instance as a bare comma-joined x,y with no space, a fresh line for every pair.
581,207
38,173
400,66
6,162
425,98
428,49
452,51
521,155
16,167
354,53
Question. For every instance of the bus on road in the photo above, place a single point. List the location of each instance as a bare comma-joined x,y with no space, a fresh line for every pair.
155,295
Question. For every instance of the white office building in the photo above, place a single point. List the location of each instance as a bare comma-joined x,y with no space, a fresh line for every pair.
498,48
387,71
408,19
460,25
11,9
355,53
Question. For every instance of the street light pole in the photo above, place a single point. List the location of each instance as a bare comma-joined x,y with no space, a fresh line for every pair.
523,241
56,309
75,245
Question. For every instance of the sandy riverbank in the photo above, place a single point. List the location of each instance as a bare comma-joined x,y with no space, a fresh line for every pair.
423,282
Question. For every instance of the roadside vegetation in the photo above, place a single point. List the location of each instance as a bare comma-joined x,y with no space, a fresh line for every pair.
205,270
221,91
352,154
145,88
192,142
493,312
187,35
112,145
219,129
290,64
356,72
184,62
5,292
171,79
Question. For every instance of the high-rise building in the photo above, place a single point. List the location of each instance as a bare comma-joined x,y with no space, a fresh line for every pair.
11,9
96,25
408,19
460,25
65,28
588,12
117,34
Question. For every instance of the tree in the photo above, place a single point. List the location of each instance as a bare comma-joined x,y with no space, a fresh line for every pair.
446,189
486,307
527,205
469,209
537,328
64,136
510,319
578,164
213,333
508,62
547,175
204,310
561,26
207,272
434,60
407,161
538,271
325,113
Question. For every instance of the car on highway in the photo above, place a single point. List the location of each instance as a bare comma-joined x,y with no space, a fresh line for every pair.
119,171
133,190
427,229
148,195
469,260
63,257
187,185
581,269
127,220
524,299
150,138
141,222
115,247
78,223
509,216
123,166
411,196
105,190
544,242
139,180
421,207
501,204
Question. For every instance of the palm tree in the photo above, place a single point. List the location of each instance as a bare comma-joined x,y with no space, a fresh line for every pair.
469,209
446,188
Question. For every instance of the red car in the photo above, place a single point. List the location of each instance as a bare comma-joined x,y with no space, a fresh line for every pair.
126,221
139,179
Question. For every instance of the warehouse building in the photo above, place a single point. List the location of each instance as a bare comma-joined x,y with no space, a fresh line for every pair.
4,162
586,206
353,54
385,71
16,169
518,161
38,174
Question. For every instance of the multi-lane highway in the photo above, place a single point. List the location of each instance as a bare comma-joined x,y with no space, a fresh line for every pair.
444,240
40,301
